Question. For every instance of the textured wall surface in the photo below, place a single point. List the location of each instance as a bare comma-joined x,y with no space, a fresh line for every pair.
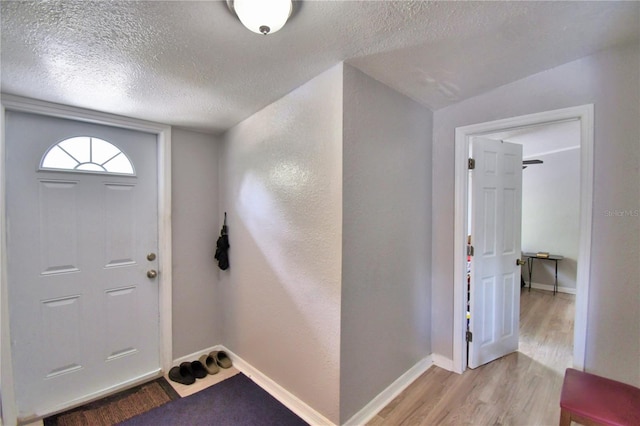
386,306
196,225
282,175
611,81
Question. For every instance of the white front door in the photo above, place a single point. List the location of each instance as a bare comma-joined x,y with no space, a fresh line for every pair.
83,312
496,217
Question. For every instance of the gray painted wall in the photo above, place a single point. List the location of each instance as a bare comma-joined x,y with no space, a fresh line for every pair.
196,225
385,328
611,81
282,175
551,216
329,221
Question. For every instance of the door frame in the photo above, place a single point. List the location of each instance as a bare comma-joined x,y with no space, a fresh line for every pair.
163,137
583,113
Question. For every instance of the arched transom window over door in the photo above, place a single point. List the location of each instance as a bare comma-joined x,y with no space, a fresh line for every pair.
87,154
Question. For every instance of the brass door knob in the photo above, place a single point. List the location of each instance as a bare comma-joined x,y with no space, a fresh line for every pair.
520,262
152,273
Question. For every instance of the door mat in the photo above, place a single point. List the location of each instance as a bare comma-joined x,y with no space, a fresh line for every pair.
117,408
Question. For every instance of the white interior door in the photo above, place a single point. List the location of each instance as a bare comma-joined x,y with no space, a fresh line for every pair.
496,216
83,312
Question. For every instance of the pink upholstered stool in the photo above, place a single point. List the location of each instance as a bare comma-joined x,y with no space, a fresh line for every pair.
593,400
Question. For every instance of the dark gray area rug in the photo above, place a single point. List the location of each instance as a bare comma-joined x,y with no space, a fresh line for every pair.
234,401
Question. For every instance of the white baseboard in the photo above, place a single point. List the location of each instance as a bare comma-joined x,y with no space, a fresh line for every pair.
442,362
196,355
386,396
292,402
549,287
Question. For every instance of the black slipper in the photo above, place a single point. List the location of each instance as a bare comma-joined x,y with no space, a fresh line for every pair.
198,369
182,374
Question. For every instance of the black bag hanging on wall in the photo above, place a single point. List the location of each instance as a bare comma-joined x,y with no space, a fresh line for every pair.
222,246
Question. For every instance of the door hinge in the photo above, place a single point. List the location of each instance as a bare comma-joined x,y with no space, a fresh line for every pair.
472,164
469,336
469,250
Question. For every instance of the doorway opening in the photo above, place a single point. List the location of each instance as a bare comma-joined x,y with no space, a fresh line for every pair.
582,117
549,218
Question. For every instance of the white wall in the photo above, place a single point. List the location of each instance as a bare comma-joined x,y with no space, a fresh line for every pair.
551,216
328,195
196,225
385,328
282,174
611,81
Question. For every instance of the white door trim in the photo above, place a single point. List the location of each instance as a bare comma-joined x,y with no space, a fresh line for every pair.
163,132
585,114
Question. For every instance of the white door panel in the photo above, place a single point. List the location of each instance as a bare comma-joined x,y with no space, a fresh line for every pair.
496,192
83,314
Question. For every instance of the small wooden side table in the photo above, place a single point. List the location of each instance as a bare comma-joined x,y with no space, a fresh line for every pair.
554,257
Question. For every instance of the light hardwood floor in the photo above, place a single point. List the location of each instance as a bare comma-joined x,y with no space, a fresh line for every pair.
520,389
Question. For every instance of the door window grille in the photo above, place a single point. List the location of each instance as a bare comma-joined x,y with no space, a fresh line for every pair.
87,154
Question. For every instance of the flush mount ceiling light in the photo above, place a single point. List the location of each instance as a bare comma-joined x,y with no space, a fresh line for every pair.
262,16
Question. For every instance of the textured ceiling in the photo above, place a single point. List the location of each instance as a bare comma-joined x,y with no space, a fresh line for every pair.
193,65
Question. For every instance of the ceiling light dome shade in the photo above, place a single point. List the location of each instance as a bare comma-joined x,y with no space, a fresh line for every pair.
263,16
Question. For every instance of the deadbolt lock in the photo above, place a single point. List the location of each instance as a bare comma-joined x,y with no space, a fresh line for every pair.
151,257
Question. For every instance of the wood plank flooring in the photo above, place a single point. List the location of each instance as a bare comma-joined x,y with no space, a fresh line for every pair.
520,389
